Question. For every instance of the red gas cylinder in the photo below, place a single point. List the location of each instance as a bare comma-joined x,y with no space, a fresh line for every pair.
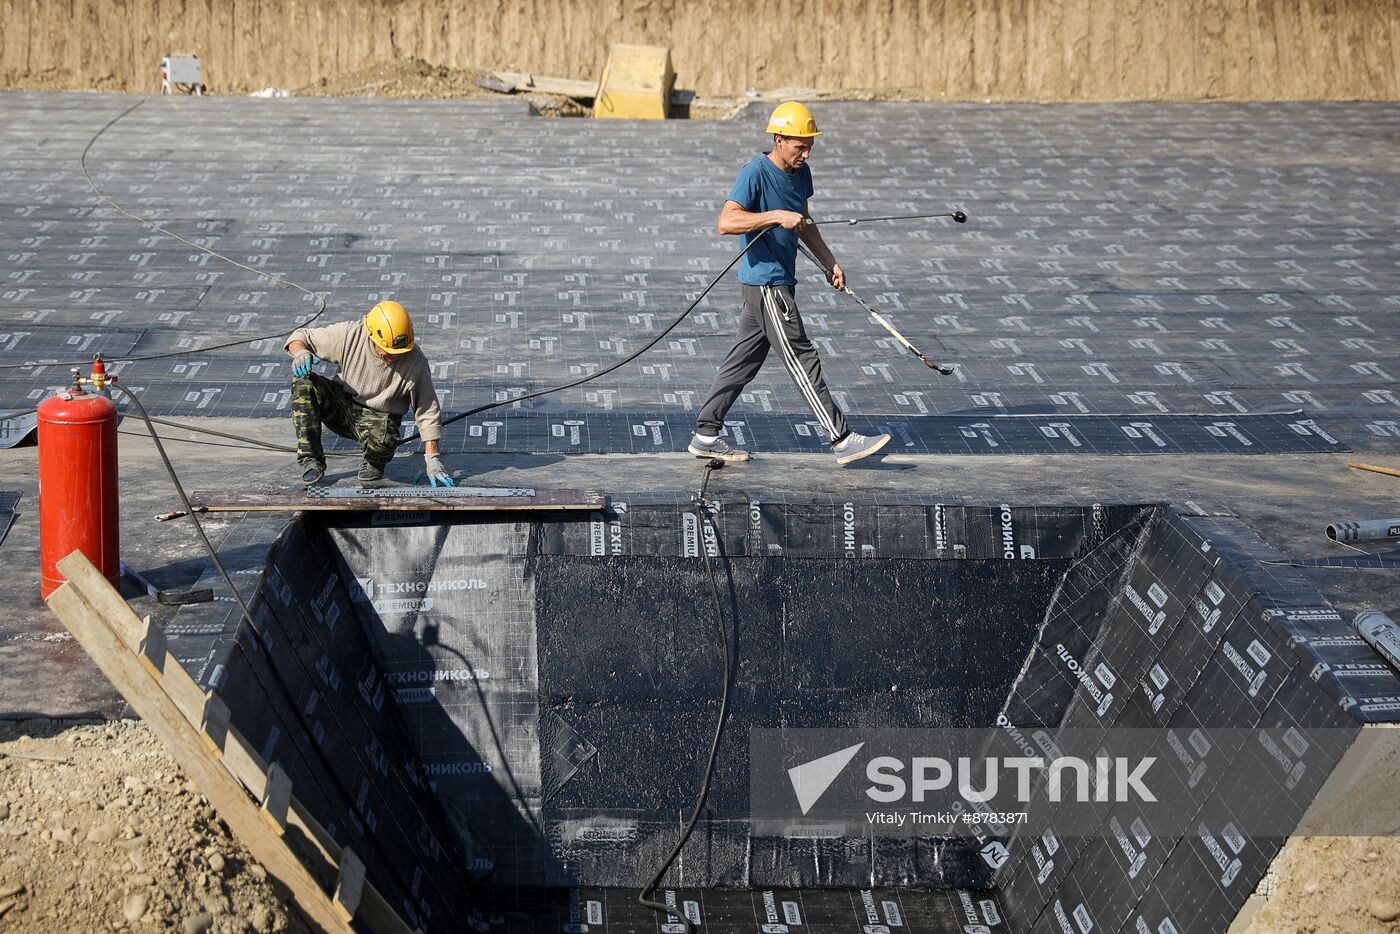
77,483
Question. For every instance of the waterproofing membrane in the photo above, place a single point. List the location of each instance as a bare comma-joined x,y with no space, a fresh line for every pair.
1219,641
970,433
15,431
1383,559
1156,262
549,684
853,644
200,634
761,911
453,621
307,692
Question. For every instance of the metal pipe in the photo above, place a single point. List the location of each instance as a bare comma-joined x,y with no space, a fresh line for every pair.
957,216
879,318
1381,633
1365,530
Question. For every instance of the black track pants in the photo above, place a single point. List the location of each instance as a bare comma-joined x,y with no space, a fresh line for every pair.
770,318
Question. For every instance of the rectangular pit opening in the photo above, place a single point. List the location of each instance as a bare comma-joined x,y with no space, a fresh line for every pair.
545,688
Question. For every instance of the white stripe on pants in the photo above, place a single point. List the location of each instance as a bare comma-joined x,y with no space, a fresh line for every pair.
777,312
769,311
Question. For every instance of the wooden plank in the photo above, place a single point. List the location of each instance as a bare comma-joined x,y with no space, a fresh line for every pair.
209,716
310,839
1388,471
245,765
412,499
319,852
523,81
126,672
315,848
118,615
571,87
182,689
135,633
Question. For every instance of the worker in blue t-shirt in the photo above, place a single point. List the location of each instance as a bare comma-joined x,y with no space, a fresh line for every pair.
771,192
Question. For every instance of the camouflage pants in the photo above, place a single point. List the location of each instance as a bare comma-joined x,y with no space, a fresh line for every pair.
318,401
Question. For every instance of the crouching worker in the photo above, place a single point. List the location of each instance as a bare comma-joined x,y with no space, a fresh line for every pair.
382,375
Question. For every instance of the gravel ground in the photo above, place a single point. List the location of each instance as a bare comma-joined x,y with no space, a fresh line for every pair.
100,830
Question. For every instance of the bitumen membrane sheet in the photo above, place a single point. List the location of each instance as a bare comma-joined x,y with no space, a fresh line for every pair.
550,672
1199,281
1132,277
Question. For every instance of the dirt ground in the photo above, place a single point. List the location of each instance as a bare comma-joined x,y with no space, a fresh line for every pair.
415,78
968,50
100,830
403,78
1332,885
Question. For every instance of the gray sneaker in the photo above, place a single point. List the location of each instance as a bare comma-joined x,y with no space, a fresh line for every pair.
855,446
370,473
718,448
311,471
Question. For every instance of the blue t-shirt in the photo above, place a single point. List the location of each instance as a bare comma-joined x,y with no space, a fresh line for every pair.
762,186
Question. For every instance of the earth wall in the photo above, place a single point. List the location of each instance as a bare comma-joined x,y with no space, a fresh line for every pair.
1052,50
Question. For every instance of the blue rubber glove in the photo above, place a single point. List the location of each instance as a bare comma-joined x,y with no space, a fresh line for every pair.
302,362
437,474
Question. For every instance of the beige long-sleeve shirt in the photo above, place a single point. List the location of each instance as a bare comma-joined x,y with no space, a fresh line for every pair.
392,387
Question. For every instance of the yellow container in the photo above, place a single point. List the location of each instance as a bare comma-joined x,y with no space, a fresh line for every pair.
636,83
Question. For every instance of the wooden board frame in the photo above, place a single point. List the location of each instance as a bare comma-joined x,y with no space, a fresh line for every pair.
255,801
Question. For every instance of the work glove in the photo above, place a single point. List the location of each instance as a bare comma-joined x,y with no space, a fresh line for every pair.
436,473
302,362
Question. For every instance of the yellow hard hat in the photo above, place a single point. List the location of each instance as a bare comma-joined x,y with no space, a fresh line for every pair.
793,119
389,327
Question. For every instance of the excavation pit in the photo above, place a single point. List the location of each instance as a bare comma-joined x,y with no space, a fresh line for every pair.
507,716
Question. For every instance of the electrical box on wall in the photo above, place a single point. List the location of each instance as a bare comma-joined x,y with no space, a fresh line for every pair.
181,72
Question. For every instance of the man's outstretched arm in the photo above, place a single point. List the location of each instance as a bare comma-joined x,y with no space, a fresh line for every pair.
733,219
